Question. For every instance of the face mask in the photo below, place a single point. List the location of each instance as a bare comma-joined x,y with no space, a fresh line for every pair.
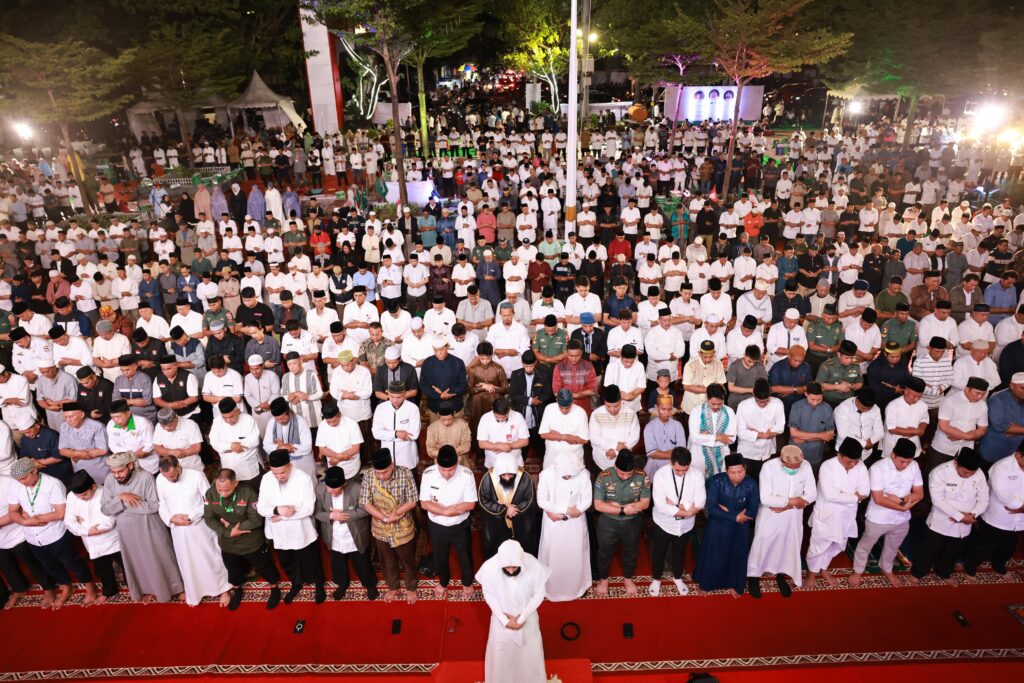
512,572
789,471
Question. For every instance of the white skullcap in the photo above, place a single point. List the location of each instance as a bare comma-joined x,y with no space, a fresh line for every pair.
416,323
392,353
1018,378
255,359
713,319
792,314
438,341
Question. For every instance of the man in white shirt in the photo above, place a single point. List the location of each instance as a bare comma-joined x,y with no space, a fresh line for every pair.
565,429
760,419
896,486
963,420
37,504
960,494
509,338
448,495
906,416
843,482
612,427
860,419
396,424
502,430
784,335
178,436
83,518
287,500
677,495
996,535
236,439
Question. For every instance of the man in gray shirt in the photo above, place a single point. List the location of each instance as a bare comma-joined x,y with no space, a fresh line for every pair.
53,388
135,387
84,440
811,425
742,375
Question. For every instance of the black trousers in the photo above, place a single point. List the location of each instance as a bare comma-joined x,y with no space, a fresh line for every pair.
990,544
611,532
260,561
664,544
104,568
60,557
11,569
361,562
456,537
303,565
938,552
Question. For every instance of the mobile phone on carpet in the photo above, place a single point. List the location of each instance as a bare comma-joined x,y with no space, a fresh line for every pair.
627,630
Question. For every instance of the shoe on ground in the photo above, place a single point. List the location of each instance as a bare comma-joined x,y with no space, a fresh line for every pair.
274,599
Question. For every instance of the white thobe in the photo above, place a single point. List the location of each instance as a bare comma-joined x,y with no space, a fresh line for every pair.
195,544
82,515
779,535
359,382
1007,493
388,421
245,463
608,431
575,423
834,518
661,343
900,415
514,656
295,532
862,427
564,543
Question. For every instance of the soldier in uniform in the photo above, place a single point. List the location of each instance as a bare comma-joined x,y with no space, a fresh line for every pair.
215,311
621,494
902,330
840,376
823,337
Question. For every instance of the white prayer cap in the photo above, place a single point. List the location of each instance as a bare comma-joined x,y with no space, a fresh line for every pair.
965,204
255,359
505,463
46,362
439,341
698,240
567,465
510,554
416,323
713,319
1018,378
53,273
792,314
248,217
761,286
392,353
24,422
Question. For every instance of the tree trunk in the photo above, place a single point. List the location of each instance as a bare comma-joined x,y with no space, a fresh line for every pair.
911,115
732,141
187,161
424,129
77,173
392,69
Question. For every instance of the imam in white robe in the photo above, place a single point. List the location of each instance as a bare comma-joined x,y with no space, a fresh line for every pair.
514,656
834,518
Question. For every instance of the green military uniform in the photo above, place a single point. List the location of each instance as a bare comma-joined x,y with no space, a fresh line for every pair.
293,239
201,266
613,529
551,344
827,335
833,371
886,303
904,333
209,316
477,255
502,254
271,223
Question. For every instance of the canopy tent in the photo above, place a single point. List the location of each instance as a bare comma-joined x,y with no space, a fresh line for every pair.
142,115
278,111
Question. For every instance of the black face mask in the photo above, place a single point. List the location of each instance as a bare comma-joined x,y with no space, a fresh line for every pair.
512,572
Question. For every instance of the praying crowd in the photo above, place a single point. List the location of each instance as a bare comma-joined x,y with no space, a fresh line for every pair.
258,381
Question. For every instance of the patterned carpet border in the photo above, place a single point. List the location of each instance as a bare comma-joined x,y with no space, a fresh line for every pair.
809,660
256,591
610,667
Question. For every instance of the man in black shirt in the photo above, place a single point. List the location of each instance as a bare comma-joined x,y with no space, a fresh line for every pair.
94,394
253,312
809,265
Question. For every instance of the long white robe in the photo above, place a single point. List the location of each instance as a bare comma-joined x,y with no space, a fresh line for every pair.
834,518
514,656
272,199
565,545
195,545
778,535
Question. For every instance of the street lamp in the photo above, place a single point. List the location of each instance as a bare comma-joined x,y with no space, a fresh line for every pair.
23,130
856,107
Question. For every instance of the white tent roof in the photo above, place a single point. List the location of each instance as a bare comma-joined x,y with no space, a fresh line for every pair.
258,95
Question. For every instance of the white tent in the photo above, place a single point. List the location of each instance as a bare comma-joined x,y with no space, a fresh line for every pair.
142,115
278,111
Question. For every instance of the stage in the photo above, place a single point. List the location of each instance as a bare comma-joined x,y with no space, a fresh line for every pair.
826,633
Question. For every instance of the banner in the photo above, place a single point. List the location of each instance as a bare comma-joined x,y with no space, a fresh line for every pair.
712,102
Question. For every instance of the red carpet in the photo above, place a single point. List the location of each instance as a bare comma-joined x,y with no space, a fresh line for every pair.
813,628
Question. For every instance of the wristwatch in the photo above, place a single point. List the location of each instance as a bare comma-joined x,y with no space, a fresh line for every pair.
903,501
565,518
622,511
275,510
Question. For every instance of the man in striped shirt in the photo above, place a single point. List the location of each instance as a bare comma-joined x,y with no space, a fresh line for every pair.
935,368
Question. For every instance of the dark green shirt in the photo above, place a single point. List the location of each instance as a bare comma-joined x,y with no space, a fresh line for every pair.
904,333
833,371
611,489
238,508
827,335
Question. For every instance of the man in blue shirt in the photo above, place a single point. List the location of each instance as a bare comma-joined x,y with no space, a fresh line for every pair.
363,277
789,378
41,443
443,378
1005,422
1002,297
811,424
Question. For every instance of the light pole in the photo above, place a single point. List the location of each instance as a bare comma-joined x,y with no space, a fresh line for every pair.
587,71
572,125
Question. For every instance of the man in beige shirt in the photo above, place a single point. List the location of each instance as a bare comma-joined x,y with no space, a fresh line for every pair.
449,430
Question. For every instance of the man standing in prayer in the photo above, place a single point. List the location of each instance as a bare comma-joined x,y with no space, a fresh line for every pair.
448,495
678,495
388,495
37,504
712,430
235,438
230,511
345,530
732,501
287,500
182,493
397,424
786,488
289,431
896,487
99,535
959,494
508,500
564,495
843,483
621,494
513,584
130,498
